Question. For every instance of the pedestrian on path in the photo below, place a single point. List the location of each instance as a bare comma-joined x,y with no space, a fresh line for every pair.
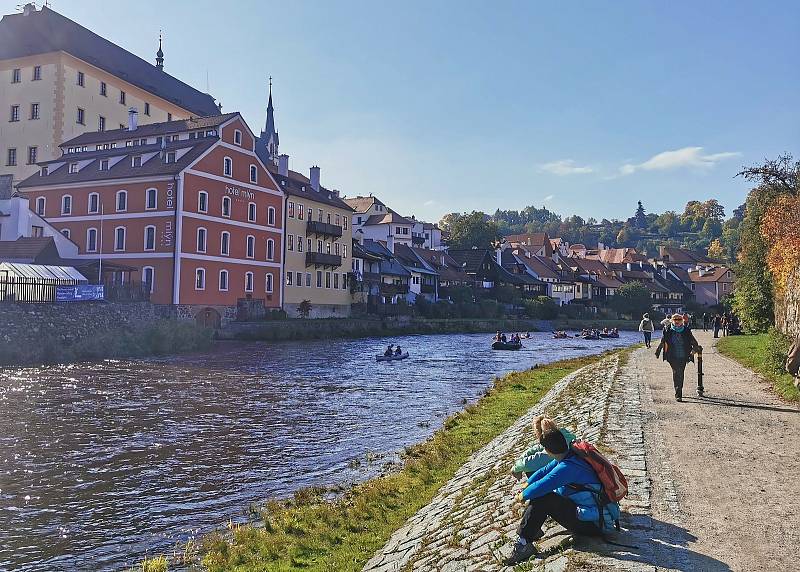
716,324
536,457
666,321
646,327
549,494
705,322
678,343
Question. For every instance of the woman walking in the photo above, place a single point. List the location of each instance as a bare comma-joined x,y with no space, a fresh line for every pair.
678,343
646,327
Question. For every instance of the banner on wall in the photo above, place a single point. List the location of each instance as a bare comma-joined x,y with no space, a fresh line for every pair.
79,293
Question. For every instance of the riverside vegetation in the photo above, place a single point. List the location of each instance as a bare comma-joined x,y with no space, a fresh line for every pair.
311,531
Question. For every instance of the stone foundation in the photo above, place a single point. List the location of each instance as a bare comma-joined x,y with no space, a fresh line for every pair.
320,311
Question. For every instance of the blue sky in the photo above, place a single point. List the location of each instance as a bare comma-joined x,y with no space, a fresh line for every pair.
585,107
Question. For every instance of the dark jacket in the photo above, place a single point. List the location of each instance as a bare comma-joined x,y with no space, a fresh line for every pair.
689,342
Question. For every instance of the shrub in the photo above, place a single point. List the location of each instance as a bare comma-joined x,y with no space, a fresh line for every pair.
777,349
542,308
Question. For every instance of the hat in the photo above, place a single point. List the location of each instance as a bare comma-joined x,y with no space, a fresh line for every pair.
554,442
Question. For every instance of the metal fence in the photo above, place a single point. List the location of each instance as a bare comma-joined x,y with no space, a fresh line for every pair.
31,290
128,292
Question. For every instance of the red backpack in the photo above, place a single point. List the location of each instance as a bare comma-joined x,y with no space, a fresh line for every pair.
614,484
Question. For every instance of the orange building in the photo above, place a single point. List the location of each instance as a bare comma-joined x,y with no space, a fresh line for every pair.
186,203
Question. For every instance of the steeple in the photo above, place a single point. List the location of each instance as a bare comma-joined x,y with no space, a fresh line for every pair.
160,54
269,136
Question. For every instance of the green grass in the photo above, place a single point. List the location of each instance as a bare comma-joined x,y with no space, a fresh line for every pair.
757,352
308,533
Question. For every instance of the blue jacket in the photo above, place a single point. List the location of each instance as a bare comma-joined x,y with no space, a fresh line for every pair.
556,476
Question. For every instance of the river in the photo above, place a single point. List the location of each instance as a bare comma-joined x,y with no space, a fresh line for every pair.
103,462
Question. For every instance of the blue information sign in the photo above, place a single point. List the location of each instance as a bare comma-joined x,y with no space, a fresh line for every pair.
79,293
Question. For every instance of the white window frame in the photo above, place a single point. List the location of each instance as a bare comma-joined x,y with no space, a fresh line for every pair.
252,209
227,280
153,273
227,167
250,252
43,210
270,249
200,272
268,285
200,196
225,245
237,137
65,211
271,216
248,277
147,199
89,203
96,239
253,174
204,230
227,200
153,228
124,238
116,202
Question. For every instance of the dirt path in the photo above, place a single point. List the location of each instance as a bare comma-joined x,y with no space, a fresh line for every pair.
725,469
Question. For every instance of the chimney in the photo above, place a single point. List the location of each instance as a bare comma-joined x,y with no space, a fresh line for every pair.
360,237
335,192
314,177
28,8
283,165
133,119
390,243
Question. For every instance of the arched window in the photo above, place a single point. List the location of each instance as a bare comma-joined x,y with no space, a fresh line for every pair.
91,240
237,137
94,203
149,277
66,205
269,283
225,243
41,202
248,281
122,201
202,202
223,280
226,206
251,246
152,199
200,279
271,216
270,249
202,235
227,167
251,212
119,238
150,237
253,174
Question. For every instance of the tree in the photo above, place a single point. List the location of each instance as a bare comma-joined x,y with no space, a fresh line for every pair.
640,218
716,250
304,308
632,299
470,230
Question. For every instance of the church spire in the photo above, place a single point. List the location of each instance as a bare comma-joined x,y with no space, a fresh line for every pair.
160,54
270,136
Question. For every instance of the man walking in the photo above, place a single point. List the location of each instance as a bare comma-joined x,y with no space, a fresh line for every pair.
678,343
646,327
716,324
705,321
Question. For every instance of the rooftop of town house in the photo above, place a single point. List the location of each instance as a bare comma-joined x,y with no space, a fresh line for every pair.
35,32
362,204
30,249
617,255
530,239
389,263
298,185
359,251
154,163
577,247
390,217
672,284
541,266
710,274
587,265
409,258
449,270
675,255
608,281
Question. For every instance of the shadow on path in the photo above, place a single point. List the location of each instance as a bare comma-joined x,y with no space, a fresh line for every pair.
656,542
710,400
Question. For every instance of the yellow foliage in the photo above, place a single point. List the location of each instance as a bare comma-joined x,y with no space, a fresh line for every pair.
780,227
715,249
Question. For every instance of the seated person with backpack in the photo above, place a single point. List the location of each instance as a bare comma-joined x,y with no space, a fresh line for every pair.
567,489
535,457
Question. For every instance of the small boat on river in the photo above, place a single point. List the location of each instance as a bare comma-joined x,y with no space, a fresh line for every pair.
392,357
506,346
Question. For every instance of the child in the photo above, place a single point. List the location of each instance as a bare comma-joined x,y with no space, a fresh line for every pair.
535,458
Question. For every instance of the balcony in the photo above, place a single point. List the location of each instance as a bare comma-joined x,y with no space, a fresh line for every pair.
370,277
428,288
322,259
323,228
393,289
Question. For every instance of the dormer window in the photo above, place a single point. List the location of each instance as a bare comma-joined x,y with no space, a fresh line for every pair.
73,167
170,158
136,161
43,172
104,165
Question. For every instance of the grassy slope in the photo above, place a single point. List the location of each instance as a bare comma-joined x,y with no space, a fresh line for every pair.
751,351
308,534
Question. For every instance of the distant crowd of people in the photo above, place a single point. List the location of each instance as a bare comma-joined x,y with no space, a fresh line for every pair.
726,323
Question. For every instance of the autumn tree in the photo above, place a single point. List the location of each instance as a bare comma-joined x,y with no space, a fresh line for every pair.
716,250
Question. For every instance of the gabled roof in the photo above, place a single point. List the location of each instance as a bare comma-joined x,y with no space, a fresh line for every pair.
390,217
44,31
617,255
362,204
360,251
449,270
389,263
471,259
29,249
535,239
713,274
150,130
541,266
411,260
675,255
298,185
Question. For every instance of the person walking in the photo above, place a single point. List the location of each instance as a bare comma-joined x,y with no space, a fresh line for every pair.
724,325
646,327
705,322
716,324
678,343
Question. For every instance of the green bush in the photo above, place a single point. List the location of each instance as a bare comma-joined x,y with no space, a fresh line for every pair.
777,350
541,308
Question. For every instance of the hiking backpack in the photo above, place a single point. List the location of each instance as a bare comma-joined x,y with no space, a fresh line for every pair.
615,486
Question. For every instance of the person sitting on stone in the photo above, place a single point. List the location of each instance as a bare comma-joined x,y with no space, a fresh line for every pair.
549,494
535,457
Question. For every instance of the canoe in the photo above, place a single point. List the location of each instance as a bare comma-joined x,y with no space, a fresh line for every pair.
505,346
404,355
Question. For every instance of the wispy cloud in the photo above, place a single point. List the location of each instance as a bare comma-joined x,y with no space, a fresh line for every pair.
429,203
549,198
692,157
564,167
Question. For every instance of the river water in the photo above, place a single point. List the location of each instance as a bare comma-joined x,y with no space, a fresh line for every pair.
103,462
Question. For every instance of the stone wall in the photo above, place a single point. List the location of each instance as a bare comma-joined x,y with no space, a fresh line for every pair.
787,307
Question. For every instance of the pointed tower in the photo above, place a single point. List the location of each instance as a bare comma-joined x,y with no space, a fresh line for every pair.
269,136
160,55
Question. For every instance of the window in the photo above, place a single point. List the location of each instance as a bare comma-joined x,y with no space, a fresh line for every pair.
151,202
101,123
91,240
319,246
65,232
16,75
122,201
728,274
319,215
724,286
119,238
338,220
227,167
81,78
202,202
169,117
359,220
299,280
32,154
310,213
290,242
327,280
271,216
344,281
237,137
344,250
319,278
34,111
253,174
148,277
14,113
328,218
201,239
136,161
251,246
336,249
290,209
248,281
94,203
346,218
170,157
40,205
37,73
43,172
226,206
308,244
223,280
299,212
150,237
80,119
299,244
73,168
104,164
289,278
37,231
103,89
66,205
327,247
251,212
308,279
269,283
122,97
146,108
11,157
270,249
336,281
200,279
225,243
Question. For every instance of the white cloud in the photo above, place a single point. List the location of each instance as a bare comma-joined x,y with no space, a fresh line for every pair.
549,198
564,167
429,203
692,157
